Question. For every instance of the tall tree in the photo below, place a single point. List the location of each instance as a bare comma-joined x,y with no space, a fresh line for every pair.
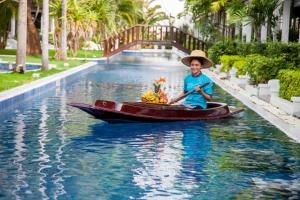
63,54
152,13
22,34
45,35
33,39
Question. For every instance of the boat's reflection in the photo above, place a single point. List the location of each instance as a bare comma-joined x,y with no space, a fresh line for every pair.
170,162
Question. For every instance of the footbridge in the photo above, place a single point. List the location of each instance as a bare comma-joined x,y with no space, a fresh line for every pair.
151,35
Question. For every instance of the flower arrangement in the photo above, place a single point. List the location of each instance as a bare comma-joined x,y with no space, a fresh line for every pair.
159,95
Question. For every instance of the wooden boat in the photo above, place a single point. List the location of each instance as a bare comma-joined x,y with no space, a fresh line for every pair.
113,112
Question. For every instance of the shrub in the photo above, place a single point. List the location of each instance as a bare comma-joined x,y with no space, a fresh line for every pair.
290,52
289,83
245,49
228,61
261,68
221,48
241,66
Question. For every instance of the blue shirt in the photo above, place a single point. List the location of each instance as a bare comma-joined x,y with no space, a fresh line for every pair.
196,99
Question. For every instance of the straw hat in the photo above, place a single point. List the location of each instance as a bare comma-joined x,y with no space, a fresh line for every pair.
197,54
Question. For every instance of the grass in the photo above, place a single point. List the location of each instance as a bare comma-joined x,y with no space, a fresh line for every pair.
80,53
11,80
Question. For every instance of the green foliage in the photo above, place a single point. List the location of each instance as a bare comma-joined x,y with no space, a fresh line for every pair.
221,48
289,83
241,66
153,13
228,61
6,11
245,49
261,68
290,51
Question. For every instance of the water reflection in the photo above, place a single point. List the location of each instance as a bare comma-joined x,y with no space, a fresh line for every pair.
44,157
169,165
243,157
19,155
58,176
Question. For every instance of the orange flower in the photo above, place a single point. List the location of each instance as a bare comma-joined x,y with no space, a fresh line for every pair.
162,79
157,82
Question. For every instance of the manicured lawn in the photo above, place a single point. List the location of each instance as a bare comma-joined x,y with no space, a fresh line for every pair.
80,53
11,80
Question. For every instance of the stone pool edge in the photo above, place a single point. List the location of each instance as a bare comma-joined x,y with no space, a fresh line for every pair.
257,106
9,97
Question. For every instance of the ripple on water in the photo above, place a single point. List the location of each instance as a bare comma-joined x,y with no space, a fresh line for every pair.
49,150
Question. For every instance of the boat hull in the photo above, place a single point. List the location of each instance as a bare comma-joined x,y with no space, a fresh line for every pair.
113,112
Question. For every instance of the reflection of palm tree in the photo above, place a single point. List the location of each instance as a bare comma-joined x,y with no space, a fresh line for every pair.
44,157
161,159
58,178
19,157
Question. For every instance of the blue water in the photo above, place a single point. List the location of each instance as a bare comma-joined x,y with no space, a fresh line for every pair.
4,66
49,150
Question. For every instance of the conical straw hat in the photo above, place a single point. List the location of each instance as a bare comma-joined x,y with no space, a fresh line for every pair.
197,54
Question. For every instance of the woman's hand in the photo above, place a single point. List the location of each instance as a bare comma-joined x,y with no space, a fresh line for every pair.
206,96
172,101
198,89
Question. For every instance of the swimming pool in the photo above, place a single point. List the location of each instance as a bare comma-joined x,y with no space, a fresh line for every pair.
4,66
51,151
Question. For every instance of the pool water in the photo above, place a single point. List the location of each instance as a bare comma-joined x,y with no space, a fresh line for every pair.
49,150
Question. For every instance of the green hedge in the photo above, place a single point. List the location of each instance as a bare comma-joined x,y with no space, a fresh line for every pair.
245,49
261,68
241,66
221,48
289,51
289,83
228,61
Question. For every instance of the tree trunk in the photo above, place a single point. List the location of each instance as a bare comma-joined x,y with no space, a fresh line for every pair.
45,39
6,14
223,24
63,55
22,35
241,32
33,39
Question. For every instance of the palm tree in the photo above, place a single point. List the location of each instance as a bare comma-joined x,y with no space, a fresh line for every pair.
63,52
22,35
261,12
128,12
45,35
153,14
33,39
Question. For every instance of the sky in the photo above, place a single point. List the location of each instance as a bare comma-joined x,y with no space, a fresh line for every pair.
172,7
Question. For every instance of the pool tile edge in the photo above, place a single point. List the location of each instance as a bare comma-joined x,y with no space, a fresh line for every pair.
7,97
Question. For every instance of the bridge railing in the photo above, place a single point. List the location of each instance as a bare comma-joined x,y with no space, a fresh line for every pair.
151,35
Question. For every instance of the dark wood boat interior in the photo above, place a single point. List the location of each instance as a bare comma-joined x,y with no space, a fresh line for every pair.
117,106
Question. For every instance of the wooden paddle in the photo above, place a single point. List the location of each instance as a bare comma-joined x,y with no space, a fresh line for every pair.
187,94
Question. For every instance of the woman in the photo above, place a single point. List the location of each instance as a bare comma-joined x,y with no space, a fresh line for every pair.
198,99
